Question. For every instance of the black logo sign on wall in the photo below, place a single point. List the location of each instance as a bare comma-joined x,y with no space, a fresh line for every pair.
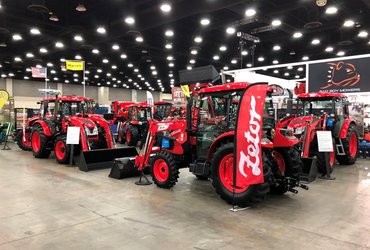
342,76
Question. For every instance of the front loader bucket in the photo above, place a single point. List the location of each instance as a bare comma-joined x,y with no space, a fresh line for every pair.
309,170
124,167
103,158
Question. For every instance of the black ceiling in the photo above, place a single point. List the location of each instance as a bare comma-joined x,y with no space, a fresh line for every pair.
184,20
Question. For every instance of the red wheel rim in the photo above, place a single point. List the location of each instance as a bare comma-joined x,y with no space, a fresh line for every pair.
161,170
128,136
353,145
26,143
332,159
280,161
36,142
60,150
225,172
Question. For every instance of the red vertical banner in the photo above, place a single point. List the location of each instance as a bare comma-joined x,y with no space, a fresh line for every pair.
248,166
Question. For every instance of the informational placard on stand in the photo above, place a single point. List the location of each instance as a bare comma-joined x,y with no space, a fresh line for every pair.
73,135
325,141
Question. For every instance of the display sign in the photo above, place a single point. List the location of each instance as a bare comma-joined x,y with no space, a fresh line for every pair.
325,141
75,65
177,95
73,135
248,165
341,76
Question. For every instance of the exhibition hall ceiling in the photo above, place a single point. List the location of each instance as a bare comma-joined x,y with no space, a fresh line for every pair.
142,44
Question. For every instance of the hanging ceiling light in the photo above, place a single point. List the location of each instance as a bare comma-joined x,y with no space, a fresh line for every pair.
81,8
53,17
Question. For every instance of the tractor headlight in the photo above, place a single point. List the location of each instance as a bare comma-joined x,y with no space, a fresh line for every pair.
289,132
299,131
91,131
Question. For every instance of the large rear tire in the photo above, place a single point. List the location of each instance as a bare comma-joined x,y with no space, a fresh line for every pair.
62,150
222,179
132,135
164,170
287,163
350,145
39,143
321,162
24,145
320,157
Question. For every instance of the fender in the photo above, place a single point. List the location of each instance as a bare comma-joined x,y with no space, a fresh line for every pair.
228,136
281,140
177,149
44,127
344,129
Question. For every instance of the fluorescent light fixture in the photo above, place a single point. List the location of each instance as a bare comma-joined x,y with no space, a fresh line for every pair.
250,12
129,20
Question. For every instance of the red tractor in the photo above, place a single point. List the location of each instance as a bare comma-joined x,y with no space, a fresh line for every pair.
206,145
47,131
134,129
329,112
120,111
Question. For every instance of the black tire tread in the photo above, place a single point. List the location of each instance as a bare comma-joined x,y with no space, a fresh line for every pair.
135,136
66,158
44,151
19,139
293,167
254,194
173,170
347,159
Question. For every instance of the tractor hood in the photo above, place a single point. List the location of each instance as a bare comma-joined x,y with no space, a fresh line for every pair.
85,124
299,122
81,121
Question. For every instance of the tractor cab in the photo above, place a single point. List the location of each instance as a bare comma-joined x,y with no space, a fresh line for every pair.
334,106
162,110
140,112
322,103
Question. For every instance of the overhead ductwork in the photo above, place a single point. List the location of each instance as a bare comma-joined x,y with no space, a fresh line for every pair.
38,6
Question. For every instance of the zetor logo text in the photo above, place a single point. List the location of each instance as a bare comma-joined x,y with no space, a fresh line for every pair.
252,158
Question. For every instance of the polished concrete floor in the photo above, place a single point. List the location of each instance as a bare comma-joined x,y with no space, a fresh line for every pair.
44,205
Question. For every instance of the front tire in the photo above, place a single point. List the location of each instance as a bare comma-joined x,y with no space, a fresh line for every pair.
24,145
222,179
132,135
350,145
164,170
62,150
39,143
287,163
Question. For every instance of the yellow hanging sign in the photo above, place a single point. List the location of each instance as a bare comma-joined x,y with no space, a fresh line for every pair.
185,89
4,96
74,65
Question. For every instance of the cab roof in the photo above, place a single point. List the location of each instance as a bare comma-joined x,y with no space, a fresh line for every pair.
225,87
319,95
141,105
229,87
68,99
162,103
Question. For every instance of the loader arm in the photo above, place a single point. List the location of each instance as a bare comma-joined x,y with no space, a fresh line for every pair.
155,127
